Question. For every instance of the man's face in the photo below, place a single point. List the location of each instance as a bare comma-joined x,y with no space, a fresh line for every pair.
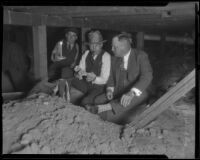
119,48
71,37
96,47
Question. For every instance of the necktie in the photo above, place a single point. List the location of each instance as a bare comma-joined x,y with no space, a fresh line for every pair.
122,63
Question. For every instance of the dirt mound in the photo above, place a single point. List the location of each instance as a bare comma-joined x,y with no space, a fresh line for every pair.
42,124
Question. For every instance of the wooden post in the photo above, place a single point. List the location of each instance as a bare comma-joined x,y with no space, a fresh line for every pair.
83,37
140,40
40,52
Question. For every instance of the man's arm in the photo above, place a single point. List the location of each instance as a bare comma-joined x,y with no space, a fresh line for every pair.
82,61
105,70
56,52
146,75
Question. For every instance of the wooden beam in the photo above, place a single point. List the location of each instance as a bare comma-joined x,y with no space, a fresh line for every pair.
16,18
165,101
186,40
12,95
90,11
29,19
40,52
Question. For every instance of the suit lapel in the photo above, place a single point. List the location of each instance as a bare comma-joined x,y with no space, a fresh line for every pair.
132,65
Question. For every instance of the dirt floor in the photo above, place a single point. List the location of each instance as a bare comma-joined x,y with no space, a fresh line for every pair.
42,124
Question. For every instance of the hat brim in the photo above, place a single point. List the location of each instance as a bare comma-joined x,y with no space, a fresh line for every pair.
88,43
71,30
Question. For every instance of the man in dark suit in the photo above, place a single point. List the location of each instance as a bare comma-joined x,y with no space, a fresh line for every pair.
127,87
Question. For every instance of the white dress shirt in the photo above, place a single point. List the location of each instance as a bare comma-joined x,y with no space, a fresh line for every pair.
126,58
105,68
135,90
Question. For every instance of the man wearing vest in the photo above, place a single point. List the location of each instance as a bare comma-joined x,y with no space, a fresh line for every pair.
64,56
130,77
93,70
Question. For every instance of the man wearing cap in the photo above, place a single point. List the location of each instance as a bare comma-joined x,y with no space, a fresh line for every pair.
127,87
64,56
93,71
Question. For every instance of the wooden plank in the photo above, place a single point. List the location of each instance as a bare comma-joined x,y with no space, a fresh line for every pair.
16,18
160,101
40,52
29,19
165,101
12,95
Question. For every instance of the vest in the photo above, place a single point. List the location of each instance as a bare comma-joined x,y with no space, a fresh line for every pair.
69,54
94,65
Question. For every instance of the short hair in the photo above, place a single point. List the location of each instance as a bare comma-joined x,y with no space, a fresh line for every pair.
124,36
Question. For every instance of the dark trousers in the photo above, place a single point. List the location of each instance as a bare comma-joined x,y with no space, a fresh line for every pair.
60,69
91,91
120,114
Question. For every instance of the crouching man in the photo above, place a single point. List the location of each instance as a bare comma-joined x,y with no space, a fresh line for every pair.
130,77
93,71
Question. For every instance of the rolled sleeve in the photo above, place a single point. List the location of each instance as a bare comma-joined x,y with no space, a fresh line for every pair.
82,61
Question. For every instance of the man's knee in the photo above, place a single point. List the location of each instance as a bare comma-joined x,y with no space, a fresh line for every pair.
80,85
87,100
101,99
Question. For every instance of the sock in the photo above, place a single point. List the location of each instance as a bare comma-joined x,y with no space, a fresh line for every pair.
104,107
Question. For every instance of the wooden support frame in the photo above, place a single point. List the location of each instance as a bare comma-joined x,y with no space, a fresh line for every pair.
184,86
12,95
40,52
30,19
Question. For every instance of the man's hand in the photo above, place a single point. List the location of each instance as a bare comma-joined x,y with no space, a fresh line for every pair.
126,99
53,57
109,94
77,68
56,57
90,77
78,76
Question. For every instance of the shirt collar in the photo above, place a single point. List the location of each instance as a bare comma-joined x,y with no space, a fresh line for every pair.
127,55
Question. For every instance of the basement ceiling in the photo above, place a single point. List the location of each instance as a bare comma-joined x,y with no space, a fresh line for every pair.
174,18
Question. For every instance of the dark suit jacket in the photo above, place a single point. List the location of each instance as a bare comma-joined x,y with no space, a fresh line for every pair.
140,72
